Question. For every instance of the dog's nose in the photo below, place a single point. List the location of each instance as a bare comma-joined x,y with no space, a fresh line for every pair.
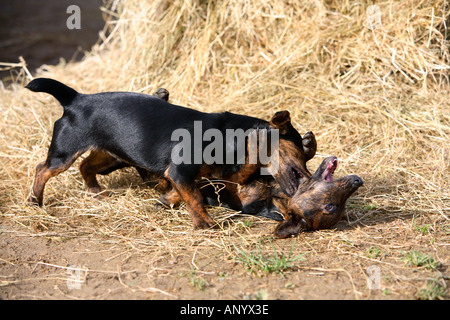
357,181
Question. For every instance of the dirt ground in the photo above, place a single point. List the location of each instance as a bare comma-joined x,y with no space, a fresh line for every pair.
61,252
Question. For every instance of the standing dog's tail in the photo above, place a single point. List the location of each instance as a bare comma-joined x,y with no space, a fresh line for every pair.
60,91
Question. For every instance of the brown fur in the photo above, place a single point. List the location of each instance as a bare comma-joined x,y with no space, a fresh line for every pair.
44,171
91,165
194,202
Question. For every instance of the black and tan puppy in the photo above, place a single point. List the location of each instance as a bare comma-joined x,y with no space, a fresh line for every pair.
138,130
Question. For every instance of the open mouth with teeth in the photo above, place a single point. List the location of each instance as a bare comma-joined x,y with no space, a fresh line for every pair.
331,166
324,173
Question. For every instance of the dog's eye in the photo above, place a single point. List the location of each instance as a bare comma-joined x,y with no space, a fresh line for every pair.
330,207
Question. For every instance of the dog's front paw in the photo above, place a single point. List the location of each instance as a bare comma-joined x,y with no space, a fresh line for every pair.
33,201
204,223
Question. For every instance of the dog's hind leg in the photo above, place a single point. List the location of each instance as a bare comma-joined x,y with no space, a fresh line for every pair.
46,170
93,164
64,149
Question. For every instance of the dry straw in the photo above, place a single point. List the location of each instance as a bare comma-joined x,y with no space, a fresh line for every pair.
376,97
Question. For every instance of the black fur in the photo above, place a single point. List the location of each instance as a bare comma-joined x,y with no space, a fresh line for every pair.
61,92
135,127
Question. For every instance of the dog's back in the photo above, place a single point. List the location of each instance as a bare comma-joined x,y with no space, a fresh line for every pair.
135,127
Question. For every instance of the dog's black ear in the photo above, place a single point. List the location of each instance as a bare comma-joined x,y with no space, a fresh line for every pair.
281,120
291,226
162,94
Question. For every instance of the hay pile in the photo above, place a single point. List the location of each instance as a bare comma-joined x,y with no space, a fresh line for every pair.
375,97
